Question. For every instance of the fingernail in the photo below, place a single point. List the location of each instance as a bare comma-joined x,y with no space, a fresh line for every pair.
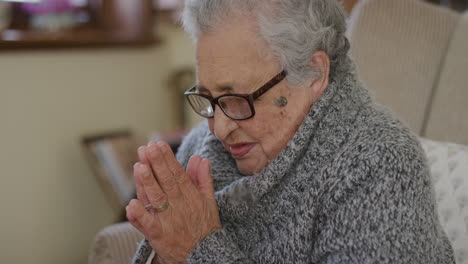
141,149
153,149
162,146
143,170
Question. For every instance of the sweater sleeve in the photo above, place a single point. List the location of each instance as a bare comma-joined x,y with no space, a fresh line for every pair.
143,253
217,247
384,212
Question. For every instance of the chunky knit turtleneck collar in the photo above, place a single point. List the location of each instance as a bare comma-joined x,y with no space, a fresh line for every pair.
349,179
338,105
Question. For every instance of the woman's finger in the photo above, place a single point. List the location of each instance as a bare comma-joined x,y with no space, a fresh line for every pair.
171,161
205,180
161,170
141,194
140,189
150,225
142,155
192,169
131,218
156,196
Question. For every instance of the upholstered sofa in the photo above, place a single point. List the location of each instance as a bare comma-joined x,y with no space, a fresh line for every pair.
413,56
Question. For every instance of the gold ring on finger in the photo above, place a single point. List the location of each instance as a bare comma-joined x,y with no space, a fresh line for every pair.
162,208
148,207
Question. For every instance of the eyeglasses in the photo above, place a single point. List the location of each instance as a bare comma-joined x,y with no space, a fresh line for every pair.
234,106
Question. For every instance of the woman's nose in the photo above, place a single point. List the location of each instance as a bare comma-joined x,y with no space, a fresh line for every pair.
222,124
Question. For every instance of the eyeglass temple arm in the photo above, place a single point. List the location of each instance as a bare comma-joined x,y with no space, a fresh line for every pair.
270,84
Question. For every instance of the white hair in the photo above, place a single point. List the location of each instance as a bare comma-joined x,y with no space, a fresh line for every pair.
294,30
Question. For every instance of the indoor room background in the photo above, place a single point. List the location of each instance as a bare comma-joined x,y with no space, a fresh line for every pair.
93,69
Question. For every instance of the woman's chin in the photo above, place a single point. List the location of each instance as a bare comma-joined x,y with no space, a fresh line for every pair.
250,166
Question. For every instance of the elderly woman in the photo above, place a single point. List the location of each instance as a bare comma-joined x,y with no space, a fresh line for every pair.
295,163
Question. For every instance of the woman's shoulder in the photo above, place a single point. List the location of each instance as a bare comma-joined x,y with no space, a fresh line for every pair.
380,136
380,153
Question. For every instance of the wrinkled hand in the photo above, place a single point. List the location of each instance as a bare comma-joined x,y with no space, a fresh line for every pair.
192,213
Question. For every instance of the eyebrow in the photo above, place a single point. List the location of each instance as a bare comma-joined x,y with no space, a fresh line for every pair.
224,88
220,88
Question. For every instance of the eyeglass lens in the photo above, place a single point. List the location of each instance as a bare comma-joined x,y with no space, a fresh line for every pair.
233,106
201,105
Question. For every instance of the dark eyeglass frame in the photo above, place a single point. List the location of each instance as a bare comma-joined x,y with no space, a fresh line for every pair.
249,97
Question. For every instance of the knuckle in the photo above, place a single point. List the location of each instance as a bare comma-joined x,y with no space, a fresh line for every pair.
178,171
169,184
183,179
148,181
158,199
130,217
133,203
133,213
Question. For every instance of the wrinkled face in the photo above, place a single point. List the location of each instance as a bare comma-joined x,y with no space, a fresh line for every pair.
229,61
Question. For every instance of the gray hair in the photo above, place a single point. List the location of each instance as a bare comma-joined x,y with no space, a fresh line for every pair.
294,30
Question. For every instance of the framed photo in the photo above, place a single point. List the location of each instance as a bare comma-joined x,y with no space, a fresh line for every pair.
111,156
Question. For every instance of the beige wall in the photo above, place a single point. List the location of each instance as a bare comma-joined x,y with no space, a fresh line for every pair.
51,203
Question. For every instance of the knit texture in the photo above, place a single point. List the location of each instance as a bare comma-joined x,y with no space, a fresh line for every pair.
351,186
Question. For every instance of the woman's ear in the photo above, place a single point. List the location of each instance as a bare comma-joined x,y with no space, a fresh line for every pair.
321,63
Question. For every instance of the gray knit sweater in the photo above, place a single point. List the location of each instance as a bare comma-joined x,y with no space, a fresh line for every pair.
352,186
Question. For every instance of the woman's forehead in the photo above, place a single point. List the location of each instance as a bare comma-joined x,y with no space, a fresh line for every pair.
218,80
230,60
233,47
239,59
220,76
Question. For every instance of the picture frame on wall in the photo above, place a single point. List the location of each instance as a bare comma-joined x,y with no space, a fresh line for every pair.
111,157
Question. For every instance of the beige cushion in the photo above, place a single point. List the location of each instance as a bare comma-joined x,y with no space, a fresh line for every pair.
115,244
398,46
449,170
448,118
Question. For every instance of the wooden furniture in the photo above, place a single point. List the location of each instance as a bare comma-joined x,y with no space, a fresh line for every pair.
115,22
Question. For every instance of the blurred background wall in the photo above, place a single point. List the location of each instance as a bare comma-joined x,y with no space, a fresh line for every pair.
51,203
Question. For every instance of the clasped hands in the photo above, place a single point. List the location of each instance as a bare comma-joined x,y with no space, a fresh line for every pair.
192,213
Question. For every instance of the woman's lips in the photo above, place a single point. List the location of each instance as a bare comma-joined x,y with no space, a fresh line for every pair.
241,149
